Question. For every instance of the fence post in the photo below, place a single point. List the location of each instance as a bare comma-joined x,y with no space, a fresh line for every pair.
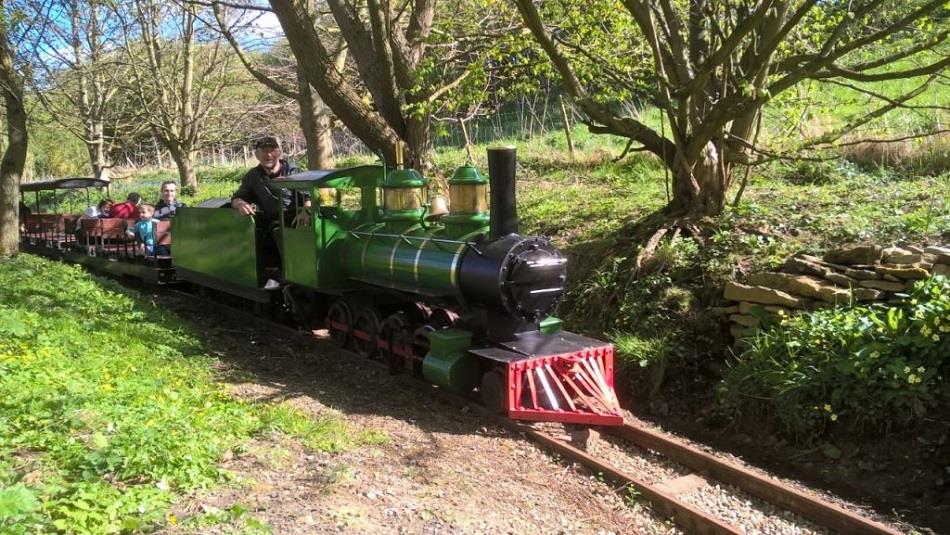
467,141
567,129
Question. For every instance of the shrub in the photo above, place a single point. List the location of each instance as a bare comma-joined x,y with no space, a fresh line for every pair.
872,155
643,361
932,157
870,366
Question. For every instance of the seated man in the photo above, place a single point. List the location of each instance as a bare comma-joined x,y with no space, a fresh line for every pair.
257,187
129,208
165,209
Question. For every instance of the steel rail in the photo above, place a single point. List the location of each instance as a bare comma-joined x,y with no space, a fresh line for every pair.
687,516
815,509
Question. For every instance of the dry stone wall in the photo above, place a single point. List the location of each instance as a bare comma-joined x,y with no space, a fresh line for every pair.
842,276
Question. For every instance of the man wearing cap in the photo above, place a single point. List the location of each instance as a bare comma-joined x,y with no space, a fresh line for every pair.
257,189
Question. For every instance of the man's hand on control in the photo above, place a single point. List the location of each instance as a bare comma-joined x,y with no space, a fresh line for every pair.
242,207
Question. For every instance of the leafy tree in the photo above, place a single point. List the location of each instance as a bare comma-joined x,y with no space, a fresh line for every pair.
406,62
177,73
74,71
717,64
284,78
12,27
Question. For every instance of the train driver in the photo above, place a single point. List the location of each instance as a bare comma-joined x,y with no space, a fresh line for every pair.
256,189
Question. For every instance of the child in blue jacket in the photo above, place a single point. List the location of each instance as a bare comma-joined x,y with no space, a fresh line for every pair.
144,231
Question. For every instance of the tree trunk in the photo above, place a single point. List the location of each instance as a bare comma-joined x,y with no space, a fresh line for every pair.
315,123
185,161
419,144
97,153
703,191
14,157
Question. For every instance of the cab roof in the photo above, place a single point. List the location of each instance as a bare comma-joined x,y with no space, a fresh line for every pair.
352,177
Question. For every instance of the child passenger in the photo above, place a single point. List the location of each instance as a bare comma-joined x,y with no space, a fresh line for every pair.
144,231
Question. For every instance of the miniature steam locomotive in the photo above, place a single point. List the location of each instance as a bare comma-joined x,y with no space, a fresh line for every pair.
459,298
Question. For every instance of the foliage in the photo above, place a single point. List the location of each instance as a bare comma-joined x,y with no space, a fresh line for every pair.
870,366
54,151
109,408
597,210
716,70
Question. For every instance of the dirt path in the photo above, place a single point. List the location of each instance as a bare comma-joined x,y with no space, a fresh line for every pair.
442,470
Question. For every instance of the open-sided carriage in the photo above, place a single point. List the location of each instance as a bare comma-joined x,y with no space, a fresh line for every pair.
56,227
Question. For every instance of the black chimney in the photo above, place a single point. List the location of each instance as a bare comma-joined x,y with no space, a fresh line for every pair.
501,176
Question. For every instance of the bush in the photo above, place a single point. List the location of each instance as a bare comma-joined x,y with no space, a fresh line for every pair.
643,361
869,366
816,173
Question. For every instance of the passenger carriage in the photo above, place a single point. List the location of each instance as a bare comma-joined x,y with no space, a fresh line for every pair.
57,228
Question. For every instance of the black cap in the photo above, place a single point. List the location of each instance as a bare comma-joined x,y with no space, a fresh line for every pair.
267,142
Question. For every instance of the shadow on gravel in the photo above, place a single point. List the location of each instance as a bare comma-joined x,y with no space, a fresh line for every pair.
269,364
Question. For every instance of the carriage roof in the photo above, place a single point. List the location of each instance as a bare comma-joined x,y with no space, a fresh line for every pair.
64,183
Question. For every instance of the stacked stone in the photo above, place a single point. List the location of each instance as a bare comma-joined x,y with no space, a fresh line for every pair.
842,276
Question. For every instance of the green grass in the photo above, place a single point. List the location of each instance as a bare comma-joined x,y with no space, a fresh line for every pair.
109,408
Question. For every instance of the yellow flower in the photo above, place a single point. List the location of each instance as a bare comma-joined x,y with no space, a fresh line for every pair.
906,369
827,407
834,417
935,338
912,379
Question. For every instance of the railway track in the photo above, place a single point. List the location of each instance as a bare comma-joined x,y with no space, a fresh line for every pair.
699,468
704,469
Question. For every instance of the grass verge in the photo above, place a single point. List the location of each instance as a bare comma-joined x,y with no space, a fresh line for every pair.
109,408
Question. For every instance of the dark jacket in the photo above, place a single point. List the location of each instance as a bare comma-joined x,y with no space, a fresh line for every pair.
167,211
257,187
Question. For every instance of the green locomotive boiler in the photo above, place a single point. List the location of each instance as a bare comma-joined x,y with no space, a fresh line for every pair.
460,298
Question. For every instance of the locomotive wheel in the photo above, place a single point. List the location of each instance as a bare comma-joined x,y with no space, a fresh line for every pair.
339,323
395,332
493,391
366,333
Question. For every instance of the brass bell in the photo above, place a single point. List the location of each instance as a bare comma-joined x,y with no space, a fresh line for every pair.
438,207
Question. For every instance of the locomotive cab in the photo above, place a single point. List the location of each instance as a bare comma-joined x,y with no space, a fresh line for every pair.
340,200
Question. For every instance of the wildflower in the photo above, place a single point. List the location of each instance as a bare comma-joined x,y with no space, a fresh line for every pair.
925,330
827,407
906,369
875,354
935,338
921,369
834,417
913,379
